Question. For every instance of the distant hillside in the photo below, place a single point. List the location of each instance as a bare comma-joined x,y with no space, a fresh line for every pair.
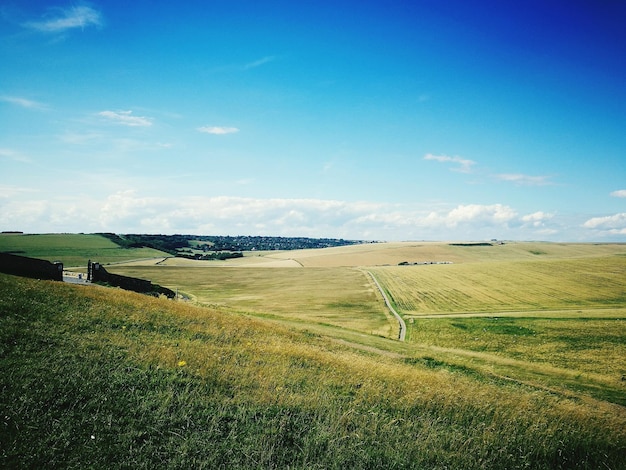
173,243
72,249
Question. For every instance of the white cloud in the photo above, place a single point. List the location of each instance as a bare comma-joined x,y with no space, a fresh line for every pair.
306,217
537,219
63,19
20,215
23,102
619,193
233,213
494,214
525,180
464,165
218,130
125,118
609,225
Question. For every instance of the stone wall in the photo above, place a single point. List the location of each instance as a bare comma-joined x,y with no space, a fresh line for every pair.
99,274
30,267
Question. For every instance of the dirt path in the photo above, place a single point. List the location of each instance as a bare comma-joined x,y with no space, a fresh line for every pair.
390,307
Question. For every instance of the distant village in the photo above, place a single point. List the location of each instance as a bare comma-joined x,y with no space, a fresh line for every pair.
192,244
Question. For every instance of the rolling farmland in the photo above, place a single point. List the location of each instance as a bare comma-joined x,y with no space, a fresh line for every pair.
544,314
514,358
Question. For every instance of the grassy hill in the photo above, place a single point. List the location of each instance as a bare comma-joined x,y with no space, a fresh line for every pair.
102,378
72,249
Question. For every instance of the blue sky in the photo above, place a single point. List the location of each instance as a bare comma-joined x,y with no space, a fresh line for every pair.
387,120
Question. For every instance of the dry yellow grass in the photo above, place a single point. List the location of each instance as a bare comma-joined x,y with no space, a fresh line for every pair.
379,254
507,286
369,254
343,297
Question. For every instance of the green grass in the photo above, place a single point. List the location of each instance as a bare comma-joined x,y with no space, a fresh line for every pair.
102,378
72,249
577,354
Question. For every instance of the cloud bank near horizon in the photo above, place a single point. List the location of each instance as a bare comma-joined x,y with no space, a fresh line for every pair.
129,212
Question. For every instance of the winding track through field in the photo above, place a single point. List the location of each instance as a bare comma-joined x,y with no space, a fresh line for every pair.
390,307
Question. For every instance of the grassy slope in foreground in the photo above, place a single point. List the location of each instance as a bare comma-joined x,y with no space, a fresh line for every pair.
92,377
73,249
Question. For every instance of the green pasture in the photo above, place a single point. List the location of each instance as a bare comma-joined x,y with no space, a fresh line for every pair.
585,354
72,249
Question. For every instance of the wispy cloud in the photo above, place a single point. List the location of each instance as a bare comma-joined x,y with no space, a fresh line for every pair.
464,164
125,118
258,63
59,20
218,130
7,191
23,102
619,193
524,180
76,138
13,155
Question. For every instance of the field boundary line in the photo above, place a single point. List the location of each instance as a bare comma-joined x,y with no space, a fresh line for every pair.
402,333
